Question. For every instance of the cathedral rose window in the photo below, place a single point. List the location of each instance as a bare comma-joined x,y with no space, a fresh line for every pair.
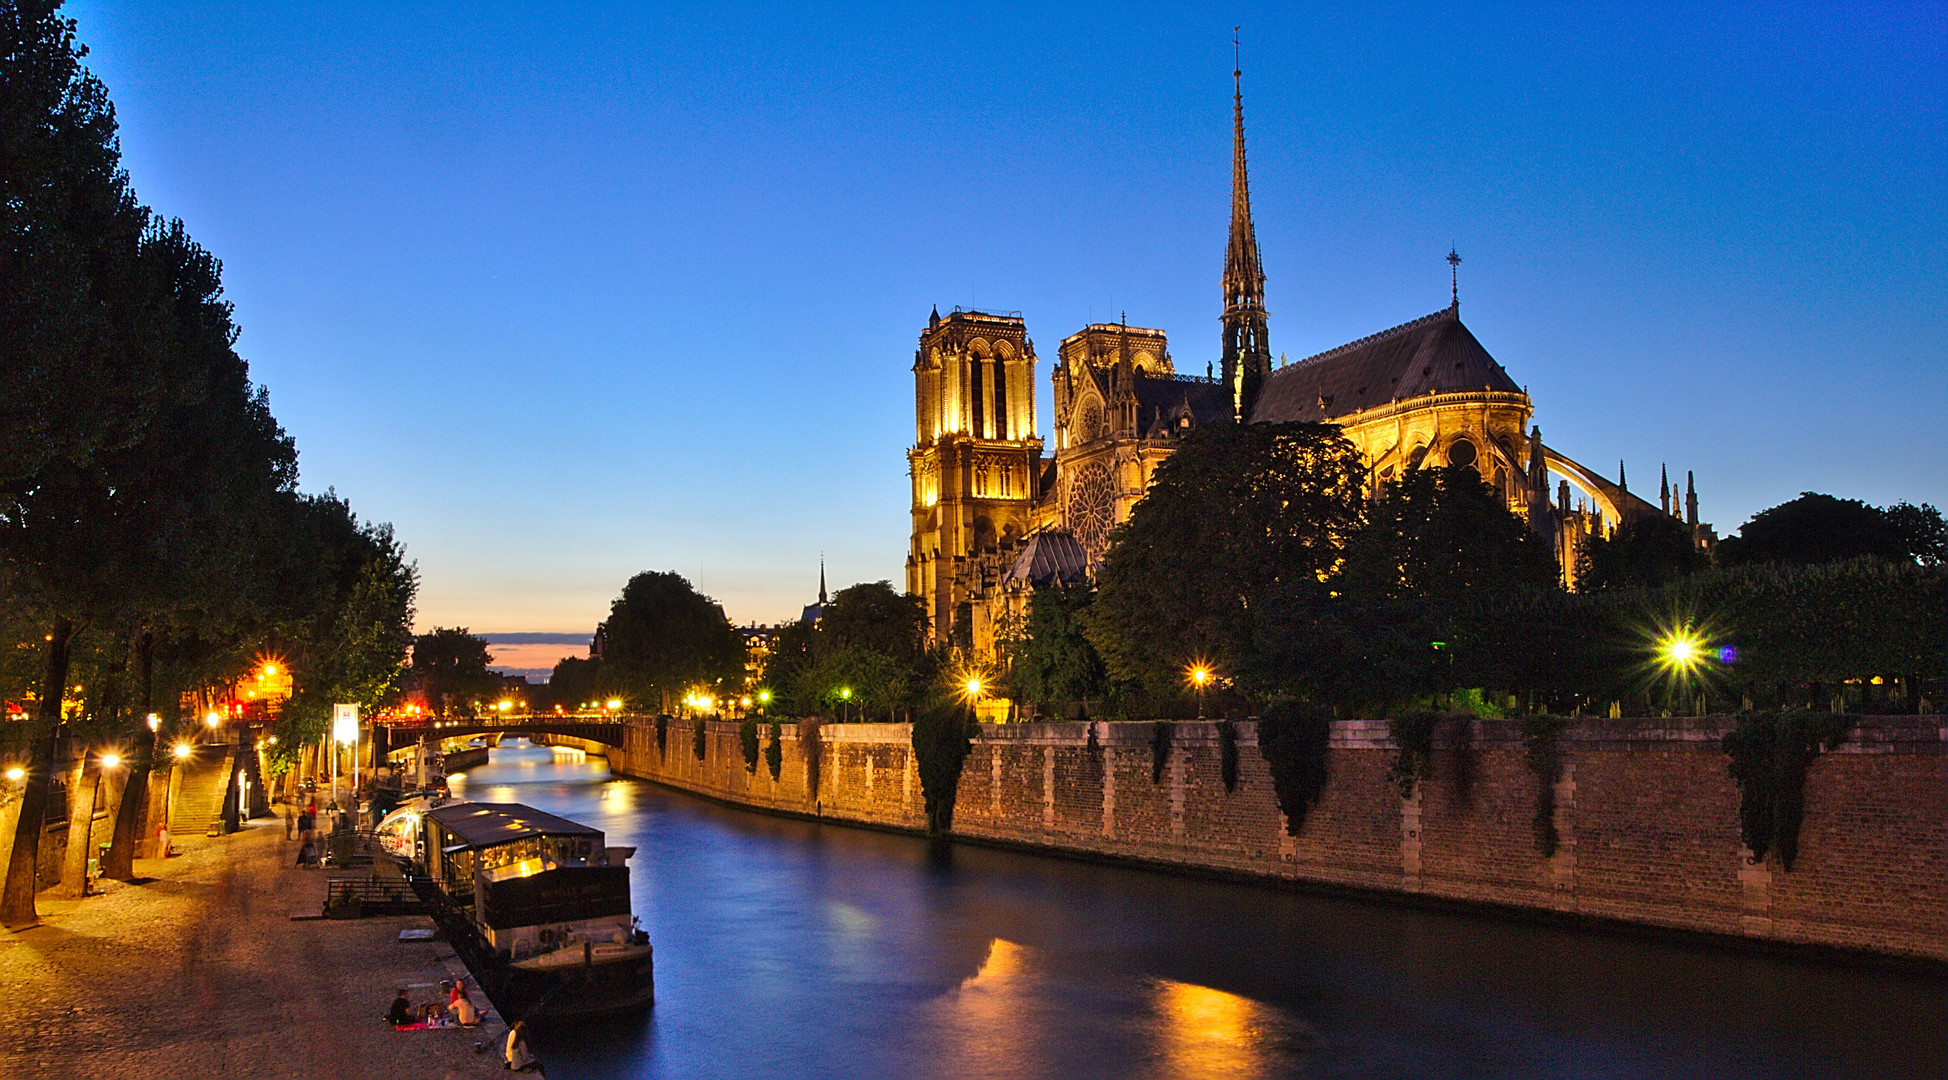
1092,507
1461,453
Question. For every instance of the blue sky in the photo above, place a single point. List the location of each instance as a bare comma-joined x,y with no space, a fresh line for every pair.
567,294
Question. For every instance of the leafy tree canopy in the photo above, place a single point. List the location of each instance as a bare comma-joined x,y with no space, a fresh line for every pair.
1441,533
866,656
1053,660
662,636
1643,554
1235,511
451,666
1817,528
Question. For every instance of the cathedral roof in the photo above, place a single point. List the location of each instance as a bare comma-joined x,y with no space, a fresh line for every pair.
1050,557
1434,354
1161,400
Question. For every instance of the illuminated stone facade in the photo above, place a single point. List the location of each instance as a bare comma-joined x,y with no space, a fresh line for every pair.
1422,393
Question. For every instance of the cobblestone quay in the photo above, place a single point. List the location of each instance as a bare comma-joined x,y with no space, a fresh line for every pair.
199,970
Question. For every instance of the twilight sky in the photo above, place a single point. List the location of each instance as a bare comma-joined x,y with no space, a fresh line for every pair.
567,294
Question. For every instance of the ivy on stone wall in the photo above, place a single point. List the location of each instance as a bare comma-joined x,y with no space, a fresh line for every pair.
809,747
663,734
697,743
1294,740
1228,754
1413,756
1769,755
774,755
941,742
1160,734
1542,752
747,740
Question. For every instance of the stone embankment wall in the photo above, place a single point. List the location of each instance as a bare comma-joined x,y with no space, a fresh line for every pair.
1646,812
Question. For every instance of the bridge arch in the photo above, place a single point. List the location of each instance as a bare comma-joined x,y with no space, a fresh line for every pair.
607,730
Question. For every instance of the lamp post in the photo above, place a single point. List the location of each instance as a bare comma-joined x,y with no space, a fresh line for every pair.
1199,676
1682,653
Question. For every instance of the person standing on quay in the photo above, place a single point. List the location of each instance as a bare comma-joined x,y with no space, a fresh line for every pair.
519,1057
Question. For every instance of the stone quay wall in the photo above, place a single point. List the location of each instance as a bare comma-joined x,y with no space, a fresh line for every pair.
1646,811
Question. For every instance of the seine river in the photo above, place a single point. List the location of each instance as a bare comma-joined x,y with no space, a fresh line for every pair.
792,949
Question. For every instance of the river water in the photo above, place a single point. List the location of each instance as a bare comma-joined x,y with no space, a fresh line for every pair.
792,949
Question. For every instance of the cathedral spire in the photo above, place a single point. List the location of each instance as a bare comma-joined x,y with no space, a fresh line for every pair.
1247,356
821,581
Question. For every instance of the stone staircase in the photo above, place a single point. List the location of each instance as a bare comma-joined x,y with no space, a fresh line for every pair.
198,808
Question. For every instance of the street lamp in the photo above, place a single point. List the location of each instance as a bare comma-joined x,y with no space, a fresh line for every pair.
1199,676
1681,652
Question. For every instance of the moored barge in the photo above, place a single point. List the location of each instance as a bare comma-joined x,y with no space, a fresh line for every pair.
536,905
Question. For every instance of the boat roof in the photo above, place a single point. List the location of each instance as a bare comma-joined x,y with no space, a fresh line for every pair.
482,824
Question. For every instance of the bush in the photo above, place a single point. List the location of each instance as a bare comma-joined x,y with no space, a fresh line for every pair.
941,742
663,734
1228,754
1413,757
809,747
1160,736
747,740
1769,755
1295,741
698,742
774,755
1542,752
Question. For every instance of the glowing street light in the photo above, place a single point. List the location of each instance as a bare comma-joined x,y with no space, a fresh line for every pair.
15,772
1682,653
1200,676
154,722
614,704
111,760
182,751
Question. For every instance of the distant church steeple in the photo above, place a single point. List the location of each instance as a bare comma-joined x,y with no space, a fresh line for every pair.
1247,355
821,581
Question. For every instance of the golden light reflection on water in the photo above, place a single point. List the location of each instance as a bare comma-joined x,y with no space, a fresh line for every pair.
1209,1033
1008,1019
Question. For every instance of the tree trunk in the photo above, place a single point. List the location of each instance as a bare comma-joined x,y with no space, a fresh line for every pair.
120,863
81,823
17,897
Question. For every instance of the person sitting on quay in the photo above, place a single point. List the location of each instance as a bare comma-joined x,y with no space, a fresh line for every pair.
401,1013
459,1006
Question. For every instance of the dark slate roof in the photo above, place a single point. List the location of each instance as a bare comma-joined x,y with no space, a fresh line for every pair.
1163,398
481,824
1052,556
1434,354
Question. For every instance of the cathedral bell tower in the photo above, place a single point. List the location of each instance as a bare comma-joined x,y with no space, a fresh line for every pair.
976,457
1247,354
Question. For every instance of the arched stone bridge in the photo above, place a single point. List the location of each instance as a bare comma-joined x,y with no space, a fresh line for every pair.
393,734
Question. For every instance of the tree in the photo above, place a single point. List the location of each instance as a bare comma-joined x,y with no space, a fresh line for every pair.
1233,513
1647,553
451,666
1053,660
872,616
663,637
867,654
1817,528
137,457
572,684
1439,534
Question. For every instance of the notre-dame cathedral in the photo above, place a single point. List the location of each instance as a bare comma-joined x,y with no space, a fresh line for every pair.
993,517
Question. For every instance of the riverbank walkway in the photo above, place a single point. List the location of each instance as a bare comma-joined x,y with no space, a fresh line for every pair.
199,970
